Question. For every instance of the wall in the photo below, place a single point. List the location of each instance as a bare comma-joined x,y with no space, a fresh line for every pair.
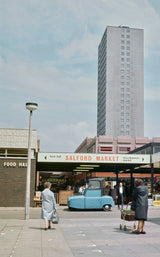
13,182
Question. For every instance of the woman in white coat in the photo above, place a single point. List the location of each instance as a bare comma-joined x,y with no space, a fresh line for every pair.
48,205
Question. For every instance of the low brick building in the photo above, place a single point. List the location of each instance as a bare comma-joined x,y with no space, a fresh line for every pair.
13,166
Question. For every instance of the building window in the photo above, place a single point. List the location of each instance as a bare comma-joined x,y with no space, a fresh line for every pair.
122,89
127,120
122,59
122,107
128,83
122,41
122,113
122,101
122,53
122,83
128,47
105,149
128,36
128,59
122,65
122,71
122,77
122,47
122,36
128,54
122,120
128,30
128,89
124,149
128,42
122,95
128,65
127,108
122,126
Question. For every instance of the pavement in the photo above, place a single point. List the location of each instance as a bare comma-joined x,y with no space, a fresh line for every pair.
79,233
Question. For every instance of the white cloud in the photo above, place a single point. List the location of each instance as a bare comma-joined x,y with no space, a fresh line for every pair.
86,47
65,136
73,30
152,94
45,80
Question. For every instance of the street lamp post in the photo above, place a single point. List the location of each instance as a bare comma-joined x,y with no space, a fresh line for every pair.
31,107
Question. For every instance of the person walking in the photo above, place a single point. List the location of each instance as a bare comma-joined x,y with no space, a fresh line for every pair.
120,192
140,205
48,205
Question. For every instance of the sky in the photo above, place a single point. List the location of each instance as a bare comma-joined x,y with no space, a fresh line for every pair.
48,55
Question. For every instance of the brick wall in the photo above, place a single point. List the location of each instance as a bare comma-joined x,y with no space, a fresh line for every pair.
13,182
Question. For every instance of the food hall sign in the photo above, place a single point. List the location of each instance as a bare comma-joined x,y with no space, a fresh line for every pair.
94,158
14,164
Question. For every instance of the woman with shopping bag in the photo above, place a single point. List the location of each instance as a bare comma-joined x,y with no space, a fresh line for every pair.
48,205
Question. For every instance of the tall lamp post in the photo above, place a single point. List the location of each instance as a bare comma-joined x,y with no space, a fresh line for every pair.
31,107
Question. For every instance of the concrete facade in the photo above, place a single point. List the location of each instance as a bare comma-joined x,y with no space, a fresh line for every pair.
108,144
120,100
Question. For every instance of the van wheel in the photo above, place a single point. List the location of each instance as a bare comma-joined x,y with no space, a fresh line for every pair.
107,207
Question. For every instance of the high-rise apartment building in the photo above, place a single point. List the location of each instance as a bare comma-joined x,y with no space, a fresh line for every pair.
120,103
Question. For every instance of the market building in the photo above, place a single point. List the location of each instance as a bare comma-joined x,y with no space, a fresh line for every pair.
111,145
66,170
121,145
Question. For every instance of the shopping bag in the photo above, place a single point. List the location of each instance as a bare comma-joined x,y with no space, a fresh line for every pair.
55,218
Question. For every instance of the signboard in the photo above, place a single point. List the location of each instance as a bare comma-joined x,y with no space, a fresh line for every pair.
156,157
94,158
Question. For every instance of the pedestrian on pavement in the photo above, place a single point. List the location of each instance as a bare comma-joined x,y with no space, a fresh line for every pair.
113,194
140,205
48,205
120,192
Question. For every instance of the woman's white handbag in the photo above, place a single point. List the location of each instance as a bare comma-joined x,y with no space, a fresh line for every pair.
55,217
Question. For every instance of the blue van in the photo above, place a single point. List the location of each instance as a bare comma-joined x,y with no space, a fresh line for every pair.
93,197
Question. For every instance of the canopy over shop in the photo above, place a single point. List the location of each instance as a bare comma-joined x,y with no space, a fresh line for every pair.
75,163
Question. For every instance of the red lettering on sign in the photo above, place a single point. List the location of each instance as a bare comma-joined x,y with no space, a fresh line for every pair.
89,158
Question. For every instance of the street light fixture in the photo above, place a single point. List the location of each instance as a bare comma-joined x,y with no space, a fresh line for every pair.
31,107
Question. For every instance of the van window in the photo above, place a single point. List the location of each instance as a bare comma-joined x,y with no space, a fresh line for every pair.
95,184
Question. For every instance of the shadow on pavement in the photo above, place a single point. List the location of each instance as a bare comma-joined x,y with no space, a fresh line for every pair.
155,221
40,228
122,231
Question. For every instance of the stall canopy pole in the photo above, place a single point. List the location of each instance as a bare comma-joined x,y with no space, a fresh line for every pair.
132,184
117,177
152,177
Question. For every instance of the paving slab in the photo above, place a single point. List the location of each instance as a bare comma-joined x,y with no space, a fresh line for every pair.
79,233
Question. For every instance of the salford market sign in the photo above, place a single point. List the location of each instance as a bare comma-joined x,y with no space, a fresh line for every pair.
94,158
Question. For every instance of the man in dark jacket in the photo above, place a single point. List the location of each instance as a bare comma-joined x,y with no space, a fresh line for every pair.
120,192
140,200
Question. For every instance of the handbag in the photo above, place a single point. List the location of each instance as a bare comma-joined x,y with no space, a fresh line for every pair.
55,218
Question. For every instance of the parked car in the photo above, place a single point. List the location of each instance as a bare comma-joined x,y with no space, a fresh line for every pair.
93,197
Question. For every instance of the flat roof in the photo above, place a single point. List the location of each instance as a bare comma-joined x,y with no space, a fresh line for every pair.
79,162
